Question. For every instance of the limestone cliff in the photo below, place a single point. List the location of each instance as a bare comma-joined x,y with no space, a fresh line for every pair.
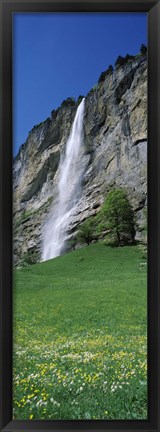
115,134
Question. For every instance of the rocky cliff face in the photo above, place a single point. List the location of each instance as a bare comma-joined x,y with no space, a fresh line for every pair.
115,136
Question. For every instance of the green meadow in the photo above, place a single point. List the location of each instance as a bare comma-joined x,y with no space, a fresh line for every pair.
80,336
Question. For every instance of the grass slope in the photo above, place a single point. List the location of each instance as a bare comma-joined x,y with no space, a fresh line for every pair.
80,336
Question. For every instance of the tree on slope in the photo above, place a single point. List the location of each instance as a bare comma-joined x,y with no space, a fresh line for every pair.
143,49
117,216
86,232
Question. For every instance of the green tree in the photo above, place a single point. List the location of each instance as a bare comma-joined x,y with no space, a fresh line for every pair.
120,61
103,75
143,49
72,242
80,97
68,102
110,69
117,216
86,232
128,57
30,257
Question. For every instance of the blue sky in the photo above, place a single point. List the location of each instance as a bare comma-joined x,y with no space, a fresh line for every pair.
57,55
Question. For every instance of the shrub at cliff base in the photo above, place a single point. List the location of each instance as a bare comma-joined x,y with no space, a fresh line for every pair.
86,233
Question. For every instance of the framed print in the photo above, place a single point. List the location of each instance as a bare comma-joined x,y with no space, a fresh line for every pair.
80,215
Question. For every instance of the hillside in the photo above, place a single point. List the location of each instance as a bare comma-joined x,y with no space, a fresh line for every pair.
80,336
115,135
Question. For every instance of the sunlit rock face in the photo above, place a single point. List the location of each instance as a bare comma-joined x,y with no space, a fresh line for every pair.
115,142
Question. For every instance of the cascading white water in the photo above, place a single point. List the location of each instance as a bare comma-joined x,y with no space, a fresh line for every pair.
69,185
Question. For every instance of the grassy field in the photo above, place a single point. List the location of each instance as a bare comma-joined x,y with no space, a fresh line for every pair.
80,336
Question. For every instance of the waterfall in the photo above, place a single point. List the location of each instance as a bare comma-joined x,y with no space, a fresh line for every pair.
69,187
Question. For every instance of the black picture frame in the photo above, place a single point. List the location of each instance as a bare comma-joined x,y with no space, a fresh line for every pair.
152,8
